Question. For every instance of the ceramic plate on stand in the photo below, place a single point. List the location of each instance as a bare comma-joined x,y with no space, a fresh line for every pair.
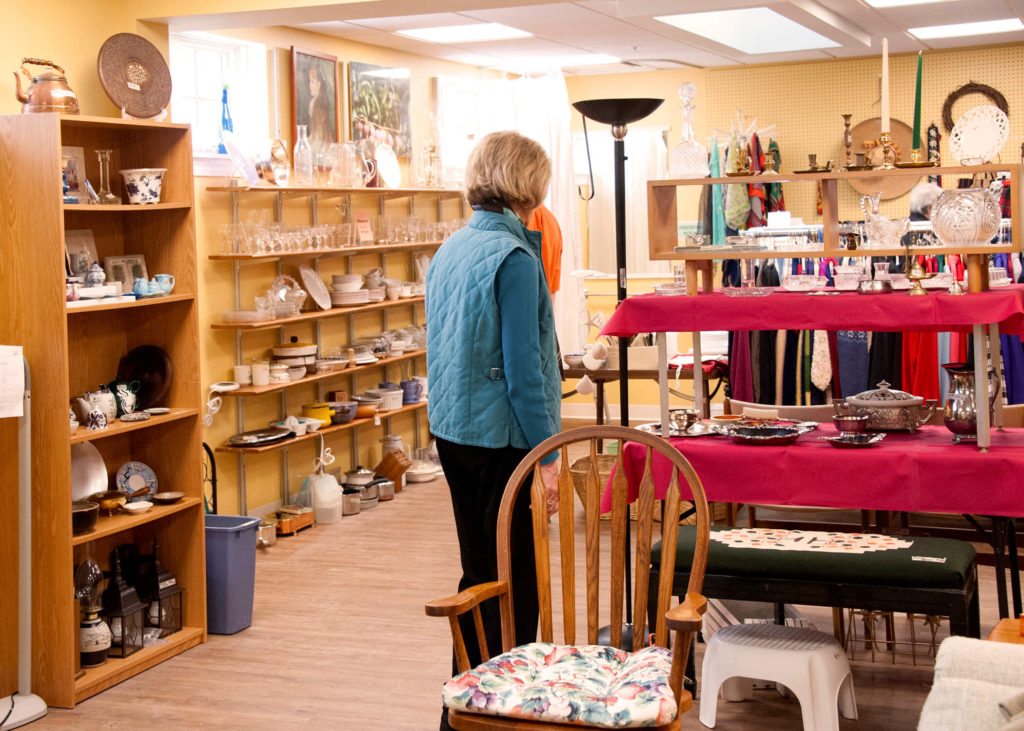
316,287
88,471
134,75
388,168
979,135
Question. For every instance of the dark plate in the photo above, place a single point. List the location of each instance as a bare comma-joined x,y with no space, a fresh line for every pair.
854,441
151,367
134,75
767,435
167,498
259,437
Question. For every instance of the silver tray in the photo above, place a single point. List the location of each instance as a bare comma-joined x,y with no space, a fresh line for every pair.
854,441
259,437
700,429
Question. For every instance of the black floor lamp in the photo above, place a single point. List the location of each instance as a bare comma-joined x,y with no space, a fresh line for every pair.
618,113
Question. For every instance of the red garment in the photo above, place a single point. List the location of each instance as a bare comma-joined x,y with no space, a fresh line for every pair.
544,221
920,370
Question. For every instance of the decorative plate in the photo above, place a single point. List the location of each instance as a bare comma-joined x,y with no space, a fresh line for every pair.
134,75
854,441
979,135
158,410
88,471
135,416
316,287
699,429
387,167
767,435
259,437
132,476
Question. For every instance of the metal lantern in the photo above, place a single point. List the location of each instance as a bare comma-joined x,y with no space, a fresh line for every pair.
159,587
124,613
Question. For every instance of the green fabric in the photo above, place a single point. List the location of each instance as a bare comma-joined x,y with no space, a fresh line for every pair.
890,568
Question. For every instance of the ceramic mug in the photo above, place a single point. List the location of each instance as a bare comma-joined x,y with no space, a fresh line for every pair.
411,392
243,375
261,374
422,380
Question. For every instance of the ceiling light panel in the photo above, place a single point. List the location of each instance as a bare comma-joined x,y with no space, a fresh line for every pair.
466,33
977,28
753,31
900,3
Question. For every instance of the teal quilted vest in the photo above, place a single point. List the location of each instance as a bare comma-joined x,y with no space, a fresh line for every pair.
469,401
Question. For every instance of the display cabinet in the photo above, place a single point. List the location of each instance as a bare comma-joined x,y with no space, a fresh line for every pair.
663,220
72,350
350,201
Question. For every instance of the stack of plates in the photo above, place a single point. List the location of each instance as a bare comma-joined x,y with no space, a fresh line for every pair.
246,315
376,295
347,299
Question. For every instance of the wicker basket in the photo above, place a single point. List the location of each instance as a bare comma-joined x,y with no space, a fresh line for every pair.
580,468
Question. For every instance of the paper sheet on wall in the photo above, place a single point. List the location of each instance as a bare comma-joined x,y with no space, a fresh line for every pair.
12,381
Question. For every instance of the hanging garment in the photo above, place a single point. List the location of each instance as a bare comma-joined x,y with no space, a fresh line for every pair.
740,387
821,362
762,345
717,209
544,221
1013,368
737,204
773,198
852,350
885,359
755,190
921,364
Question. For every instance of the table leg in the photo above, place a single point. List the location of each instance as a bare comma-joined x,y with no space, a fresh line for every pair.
662,340
698,375
981,388
1011,544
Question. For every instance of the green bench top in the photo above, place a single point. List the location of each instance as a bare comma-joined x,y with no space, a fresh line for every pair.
829,557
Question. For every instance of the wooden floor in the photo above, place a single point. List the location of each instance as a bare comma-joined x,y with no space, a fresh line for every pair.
339,640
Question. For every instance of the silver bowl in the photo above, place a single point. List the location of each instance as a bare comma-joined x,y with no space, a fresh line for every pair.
874,286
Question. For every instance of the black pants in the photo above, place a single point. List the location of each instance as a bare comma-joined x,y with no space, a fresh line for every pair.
476,479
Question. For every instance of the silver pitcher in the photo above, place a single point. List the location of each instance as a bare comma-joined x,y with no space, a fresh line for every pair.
960,412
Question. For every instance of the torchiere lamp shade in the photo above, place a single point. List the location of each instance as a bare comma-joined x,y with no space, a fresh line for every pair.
617,111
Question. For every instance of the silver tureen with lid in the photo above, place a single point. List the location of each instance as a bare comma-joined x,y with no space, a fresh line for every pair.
888,409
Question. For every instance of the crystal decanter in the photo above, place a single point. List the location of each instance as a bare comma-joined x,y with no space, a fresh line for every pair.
689,158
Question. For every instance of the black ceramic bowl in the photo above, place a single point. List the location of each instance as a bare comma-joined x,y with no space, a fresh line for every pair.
83,516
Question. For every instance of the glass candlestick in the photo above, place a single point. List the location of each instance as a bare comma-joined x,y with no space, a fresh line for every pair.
106,198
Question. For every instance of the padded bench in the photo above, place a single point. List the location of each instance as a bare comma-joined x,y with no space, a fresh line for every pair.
861,571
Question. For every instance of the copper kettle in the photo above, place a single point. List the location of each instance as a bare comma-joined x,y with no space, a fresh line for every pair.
49,91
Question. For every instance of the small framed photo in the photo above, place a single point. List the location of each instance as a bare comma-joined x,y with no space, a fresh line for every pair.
125,269
80,251
73,170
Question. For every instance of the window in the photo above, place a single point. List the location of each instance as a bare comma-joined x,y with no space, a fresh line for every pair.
202,65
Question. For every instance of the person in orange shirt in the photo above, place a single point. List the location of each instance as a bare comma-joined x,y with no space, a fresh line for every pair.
544,220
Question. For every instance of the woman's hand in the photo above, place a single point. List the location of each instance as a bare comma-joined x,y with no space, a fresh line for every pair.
549,473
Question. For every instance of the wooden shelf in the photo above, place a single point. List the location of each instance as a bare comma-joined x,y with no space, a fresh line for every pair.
116,669
803,254
122,207
329,191
145,302
120,427
831,175
320,315
324,253
111,525
354,424
259,390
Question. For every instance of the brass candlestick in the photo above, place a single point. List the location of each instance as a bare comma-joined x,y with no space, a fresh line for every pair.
889,155
847,138
917,273
916,155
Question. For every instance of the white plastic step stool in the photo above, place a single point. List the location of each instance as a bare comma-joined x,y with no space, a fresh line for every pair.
810,663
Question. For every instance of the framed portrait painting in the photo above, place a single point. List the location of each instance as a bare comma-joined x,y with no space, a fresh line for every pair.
379,103
315,98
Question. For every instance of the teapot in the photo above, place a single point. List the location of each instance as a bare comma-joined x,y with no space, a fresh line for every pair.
48,92
960,412
141,288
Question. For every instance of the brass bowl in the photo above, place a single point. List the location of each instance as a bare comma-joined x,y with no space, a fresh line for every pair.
109,501
874,286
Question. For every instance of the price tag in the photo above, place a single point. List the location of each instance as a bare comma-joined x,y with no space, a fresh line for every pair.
363,227
376,419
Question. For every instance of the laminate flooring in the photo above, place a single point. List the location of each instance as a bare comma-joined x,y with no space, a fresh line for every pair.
339,640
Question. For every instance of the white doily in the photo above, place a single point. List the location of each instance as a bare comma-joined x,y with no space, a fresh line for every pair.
979,135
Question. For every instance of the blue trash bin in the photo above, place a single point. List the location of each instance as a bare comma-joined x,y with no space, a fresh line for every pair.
230,572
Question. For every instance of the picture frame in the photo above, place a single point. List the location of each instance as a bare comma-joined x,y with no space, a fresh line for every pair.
379,105
79,251
125,269
315,99
73,171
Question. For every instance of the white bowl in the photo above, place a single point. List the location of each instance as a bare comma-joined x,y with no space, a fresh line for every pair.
294,351
143,184
351,286
376,294
138,507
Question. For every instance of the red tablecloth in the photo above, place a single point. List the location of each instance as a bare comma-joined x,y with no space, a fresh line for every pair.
783,310
914,472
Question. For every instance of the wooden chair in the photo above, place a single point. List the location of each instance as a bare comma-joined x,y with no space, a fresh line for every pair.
602,601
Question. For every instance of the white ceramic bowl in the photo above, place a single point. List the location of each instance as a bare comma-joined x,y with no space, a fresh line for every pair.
348,286
294,351
143,184
376,294
138,507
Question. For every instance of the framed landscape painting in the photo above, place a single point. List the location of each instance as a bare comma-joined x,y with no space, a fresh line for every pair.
379,104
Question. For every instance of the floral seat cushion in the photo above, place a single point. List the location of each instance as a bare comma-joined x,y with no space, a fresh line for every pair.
587,684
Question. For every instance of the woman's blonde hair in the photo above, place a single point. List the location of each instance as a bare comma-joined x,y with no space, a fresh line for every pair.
509,169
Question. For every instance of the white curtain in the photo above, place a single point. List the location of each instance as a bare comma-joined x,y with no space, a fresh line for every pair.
539,108
646,159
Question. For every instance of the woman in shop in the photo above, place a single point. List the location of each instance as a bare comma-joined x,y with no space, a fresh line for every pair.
495,388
